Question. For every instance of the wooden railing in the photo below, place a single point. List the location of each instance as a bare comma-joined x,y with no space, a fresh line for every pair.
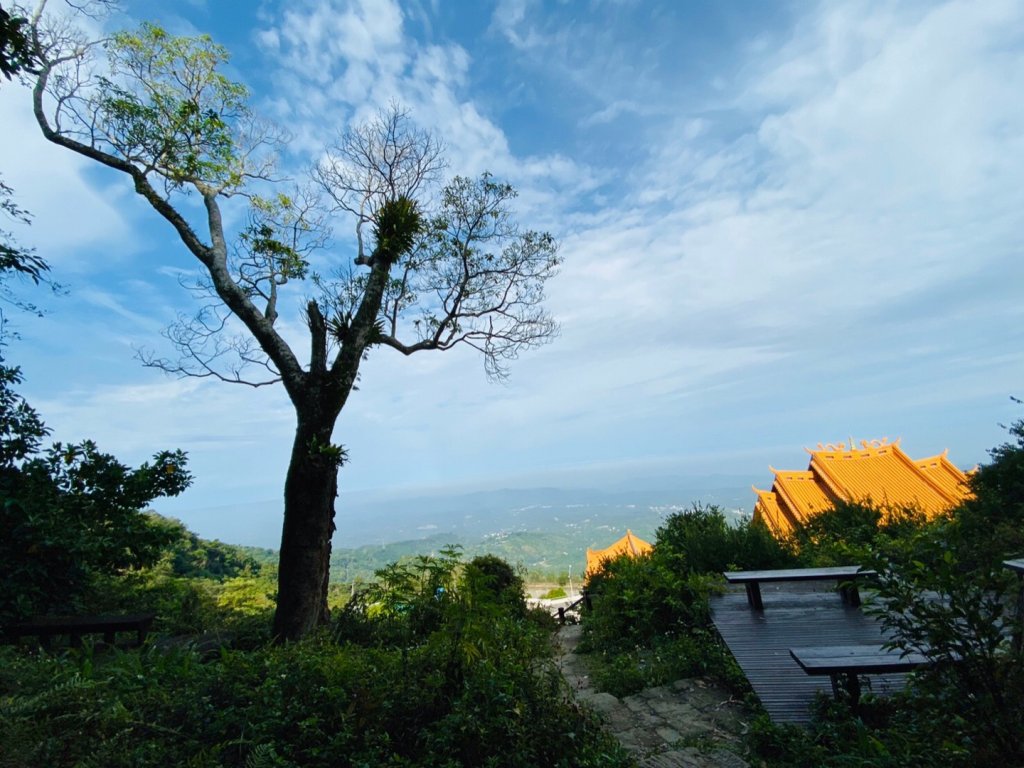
584,600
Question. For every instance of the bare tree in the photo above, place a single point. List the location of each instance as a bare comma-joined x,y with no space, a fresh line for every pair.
423,276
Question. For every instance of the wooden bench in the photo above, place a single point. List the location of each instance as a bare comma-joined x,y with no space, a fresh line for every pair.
584,600
845,663
48,627
845,576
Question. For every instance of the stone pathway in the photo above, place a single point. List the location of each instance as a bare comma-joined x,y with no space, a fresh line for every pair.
687,724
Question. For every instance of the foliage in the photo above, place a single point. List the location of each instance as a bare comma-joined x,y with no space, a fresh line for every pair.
21,428
699,653
70,513
17,52
964,622
468,682
638,599
853,532
190,555
553,594
16,260
990,526
700,540
164,99
651,622
500,579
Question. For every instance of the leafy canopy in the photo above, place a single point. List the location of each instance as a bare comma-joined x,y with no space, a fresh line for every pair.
166,107
70,512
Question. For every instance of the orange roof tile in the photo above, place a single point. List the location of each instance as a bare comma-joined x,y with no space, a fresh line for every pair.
884,475
802,492
945,474
630,544
768,510
879,472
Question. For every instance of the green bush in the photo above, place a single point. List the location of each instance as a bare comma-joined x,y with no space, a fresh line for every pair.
553,594
700,540
642,598
852,533
964,622
651,621
468,682
620,675
989,527
71,513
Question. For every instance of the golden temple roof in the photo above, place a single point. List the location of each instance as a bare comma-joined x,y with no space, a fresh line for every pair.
630,544
878,472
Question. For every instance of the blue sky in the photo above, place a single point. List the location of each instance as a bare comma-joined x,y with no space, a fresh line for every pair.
781,224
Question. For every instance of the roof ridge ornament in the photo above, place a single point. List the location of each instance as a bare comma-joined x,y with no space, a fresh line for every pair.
841,447
877,443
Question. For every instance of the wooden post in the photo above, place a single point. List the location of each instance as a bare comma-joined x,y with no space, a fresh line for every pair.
754,596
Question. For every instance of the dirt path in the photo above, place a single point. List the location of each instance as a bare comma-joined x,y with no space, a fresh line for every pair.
687,724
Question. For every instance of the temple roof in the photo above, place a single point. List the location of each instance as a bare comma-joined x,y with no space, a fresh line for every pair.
630,544
878,472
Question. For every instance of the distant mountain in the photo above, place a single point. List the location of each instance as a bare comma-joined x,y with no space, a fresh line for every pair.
546,529
472,516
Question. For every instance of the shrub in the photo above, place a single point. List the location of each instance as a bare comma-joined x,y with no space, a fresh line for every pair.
964,622
639,599
989,527
854,532
553,594
70,513
472,684
700,540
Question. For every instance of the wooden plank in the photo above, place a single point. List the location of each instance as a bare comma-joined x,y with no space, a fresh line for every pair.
46,627
797,574
796,615
1016,564
845,577
95,623
859,659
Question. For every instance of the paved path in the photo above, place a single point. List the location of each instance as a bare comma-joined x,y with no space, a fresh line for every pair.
687,724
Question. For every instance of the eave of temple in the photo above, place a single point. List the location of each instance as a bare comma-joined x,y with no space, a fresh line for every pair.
802,492
877,472
944,474
768,511
630,544
884,475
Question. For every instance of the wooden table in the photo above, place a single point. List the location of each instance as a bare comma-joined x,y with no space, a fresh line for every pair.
845,663
844,575
47,627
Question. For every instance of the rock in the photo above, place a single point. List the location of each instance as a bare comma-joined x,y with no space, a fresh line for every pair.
650,722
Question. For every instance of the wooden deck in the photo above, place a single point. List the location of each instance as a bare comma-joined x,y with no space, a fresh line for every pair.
794,615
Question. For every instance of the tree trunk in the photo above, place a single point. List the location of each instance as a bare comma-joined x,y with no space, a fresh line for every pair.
309,492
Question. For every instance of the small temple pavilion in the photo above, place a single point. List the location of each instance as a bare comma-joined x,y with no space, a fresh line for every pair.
878,471
630,544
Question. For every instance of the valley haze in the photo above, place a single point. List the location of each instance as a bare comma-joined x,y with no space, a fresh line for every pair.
578,517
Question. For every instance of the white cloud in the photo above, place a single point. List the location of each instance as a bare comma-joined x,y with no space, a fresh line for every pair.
46,179
822,237
359,58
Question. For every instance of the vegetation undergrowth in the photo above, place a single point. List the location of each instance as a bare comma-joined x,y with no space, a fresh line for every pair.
651,623
439,663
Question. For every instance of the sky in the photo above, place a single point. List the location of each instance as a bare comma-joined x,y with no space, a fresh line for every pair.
782,224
